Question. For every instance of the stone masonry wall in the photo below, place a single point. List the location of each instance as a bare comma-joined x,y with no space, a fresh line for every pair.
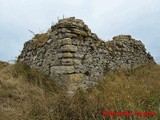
71,54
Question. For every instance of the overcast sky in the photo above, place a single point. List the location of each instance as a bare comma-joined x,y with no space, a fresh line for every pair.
106,18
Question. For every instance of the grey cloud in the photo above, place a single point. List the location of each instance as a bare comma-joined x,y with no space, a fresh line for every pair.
105,17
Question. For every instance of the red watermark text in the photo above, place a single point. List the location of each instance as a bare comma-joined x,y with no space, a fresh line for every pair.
106,113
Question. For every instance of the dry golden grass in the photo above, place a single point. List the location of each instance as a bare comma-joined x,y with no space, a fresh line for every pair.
3,64
40,39
26,94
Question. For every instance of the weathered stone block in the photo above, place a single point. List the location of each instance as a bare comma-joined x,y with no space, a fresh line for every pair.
62,69
80,32
68,48
77,62
65,41
63,30
70,61
77,55
67,62
65,55
74,77
71,35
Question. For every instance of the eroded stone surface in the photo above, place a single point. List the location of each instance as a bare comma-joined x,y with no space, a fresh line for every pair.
65,41
68,48
62,69
74,77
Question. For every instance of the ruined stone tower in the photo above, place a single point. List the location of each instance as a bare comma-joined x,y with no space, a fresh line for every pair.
74,56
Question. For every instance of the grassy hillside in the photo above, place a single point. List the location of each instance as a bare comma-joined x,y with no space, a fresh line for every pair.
26,94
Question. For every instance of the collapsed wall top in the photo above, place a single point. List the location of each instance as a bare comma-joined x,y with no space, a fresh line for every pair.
71,27
73,55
